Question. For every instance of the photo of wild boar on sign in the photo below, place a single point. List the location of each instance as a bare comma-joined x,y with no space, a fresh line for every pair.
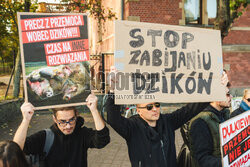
55,59
66,80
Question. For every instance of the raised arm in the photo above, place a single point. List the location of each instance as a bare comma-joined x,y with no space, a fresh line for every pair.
98,138
181,116
184,114
21,133
92,105
120,124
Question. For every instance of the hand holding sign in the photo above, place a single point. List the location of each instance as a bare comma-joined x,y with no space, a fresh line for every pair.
27,111
92,102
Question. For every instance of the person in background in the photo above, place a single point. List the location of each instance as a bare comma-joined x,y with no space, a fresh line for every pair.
201,135
11,155
244,105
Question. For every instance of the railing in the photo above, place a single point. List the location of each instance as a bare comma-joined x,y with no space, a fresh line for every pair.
5,70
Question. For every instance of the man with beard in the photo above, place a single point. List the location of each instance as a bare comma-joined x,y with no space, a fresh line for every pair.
203,138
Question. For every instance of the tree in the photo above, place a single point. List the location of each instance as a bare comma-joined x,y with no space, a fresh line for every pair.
228,11
5,51
95,8
8,29
9,32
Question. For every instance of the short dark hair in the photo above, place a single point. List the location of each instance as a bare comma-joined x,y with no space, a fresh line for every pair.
55,110
12,155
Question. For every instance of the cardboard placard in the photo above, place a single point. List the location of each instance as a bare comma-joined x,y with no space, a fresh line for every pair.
167,63
235,141
55,55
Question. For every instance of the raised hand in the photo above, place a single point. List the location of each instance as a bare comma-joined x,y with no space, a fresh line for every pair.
27,111
92,102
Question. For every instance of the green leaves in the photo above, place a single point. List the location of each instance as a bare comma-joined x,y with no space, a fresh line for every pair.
94,7
9,28
234,7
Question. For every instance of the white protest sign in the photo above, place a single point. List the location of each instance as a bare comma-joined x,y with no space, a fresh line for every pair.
235,141
167,63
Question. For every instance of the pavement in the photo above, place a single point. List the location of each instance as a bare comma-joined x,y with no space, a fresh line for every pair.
5,79
115,154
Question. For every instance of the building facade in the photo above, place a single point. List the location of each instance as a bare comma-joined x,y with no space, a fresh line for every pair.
236,53
195,13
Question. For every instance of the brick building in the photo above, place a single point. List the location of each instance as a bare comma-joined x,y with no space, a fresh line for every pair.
236,52
196,13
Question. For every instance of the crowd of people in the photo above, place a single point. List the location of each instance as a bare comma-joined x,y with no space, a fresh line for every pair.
150,135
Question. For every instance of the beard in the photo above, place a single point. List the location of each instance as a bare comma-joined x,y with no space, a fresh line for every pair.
225,105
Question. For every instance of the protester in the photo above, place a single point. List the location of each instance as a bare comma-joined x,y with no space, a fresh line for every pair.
71,139
11,155
244,105
203,138
150,135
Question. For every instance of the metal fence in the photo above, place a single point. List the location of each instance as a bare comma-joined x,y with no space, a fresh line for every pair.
5,70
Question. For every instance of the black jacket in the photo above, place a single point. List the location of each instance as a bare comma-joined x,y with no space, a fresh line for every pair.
236,112
68,150
150,147
202,140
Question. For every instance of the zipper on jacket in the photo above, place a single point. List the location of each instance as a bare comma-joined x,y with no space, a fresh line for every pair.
162,149
139,163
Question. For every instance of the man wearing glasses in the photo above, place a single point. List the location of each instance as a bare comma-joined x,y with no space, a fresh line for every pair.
244,105
150,135
71,138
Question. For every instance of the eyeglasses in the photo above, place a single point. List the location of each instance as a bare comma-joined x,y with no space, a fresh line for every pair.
248,99
64,123
150,106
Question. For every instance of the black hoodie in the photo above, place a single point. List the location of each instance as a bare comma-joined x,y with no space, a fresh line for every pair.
147,146
68,150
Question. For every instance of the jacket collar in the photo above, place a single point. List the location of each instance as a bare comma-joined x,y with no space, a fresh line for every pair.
150,131
222,115
244,106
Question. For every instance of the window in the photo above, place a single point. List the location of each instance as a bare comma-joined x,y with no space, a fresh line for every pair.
211,11
193,11
200,12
